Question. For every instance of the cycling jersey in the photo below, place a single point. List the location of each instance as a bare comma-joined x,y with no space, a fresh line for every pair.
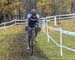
32,20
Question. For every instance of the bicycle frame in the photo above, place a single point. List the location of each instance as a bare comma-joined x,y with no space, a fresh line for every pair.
32,39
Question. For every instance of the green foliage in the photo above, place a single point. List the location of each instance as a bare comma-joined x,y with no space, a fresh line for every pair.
10,43
54,7
50,49
8,7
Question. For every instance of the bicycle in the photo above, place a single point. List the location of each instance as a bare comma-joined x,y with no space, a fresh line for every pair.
31,39
31,35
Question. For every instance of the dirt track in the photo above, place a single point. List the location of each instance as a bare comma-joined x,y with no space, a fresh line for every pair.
18,51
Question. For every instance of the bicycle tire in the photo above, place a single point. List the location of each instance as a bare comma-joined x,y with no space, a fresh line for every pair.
32,41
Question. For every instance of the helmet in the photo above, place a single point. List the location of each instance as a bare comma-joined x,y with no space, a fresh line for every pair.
33,11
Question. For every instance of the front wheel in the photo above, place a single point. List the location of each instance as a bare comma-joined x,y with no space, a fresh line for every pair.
32,47
32,41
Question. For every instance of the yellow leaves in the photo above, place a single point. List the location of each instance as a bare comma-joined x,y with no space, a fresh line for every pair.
9,7
68,10
16,3
43,3
47,10
57,6
3,1
43,6
40,4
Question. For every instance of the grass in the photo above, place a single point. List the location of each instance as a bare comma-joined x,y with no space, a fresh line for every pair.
67,24
13,45
50,49
12,30
10,43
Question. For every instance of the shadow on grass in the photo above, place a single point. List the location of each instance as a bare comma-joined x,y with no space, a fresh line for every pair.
16,47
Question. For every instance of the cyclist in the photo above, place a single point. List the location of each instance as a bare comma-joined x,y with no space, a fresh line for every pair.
32,21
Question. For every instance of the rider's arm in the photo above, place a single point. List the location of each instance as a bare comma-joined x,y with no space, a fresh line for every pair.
39,29
27,19
38,16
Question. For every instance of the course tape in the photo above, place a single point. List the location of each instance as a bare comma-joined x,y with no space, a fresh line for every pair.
63,31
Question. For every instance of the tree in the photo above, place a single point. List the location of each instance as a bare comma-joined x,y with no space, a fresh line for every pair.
54,7
73,6
7,8
43,7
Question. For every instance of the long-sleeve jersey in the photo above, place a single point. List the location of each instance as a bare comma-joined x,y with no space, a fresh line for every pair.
31,20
